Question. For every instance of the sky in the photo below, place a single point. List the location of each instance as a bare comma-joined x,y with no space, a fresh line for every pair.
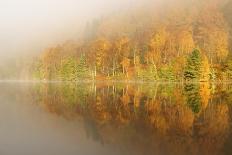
32,25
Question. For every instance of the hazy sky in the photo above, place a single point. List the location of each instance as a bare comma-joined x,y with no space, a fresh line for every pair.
30,25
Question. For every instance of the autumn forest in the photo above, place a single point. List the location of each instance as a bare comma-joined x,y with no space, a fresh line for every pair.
185,41
141,77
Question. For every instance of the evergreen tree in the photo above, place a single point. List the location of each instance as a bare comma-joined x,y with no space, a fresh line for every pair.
193,97
193,68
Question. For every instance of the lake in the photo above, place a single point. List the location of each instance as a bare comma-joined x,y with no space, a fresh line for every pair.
39,118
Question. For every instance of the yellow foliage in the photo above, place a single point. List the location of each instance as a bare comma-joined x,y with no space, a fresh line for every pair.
205,69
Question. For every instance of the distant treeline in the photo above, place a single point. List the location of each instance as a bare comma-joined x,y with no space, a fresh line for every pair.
175,42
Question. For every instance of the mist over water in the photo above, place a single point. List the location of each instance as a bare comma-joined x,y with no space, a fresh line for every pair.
110,77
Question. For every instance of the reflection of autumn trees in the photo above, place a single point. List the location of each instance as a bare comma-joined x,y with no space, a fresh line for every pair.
143,118
197,96
212,132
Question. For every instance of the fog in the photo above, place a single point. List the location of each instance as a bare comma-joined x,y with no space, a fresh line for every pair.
28,26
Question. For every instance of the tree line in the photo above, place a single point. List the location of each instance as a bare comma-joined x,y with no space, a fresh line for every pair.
187,41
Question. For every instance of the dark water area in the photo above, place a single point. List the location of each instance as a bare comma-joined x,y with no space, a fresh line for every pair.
115,119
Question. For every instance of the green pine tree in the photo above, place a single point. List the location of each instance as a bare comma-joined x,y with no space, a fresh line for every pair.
193,67
193,98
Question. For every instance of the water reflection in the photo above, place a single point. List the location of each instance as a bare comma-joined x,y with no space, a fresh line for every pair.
146,119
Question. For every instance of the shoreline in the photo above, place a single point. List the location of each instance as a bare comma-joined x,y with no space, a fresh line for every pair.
114,81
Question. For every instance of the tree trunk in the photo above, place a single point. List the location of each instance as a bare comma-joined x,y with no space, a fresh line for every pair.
95,71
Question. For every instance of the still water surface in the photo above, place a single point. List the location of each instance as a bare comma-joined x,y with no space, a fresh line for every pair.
115,119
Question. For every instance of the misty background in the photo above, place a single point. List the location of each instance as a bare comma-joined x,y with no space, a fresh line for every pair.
29,26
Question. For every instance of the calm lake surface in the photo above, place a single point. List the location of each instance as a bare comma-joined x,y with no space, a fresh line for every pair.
115,119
